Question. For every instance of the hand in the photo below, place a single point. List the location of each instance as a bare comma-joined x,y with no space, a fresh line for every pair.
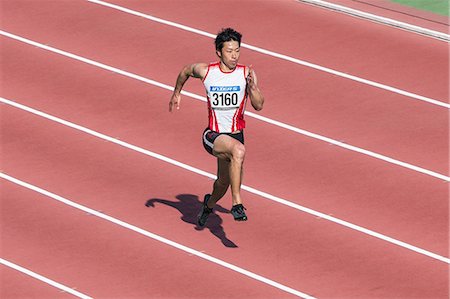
255,95
174,101
251,78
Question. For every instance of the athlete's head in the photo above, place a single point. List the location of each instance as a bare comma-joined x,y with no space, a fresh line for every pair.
228,43
227,35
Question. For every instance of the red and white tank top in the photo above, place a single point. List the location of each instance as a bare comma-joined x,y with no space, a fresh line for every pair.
227,97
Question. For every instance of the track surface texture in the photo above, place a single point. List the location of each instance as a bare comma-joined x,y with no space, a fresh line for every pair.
325,221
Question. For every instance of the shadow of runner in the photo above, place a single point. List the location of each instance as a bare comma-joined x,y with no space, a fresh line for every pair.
189,206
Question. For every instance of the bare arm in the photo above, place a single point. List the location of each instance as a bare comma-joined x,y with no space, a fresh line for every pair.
196,70
256,97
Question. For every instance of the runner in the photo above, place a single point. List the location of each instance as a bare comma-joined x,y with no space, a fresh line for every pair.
228,85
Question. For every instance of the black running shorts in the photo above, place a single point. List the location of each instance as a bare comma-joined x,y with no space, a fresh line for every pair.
209,137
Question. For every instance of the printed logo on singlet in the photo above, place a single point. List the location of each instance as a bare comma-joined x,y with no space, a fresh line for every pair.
224,97
224,88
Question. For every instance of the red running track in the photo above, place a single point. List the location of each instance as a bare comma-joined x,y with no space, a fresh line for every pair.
312,255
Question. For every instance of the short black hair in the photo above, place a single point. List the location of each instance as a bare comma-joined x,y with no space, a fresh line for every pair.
227,35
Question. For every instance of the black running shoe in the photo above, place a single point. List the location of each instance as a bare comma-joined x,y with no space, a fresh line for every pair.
203,216
239,213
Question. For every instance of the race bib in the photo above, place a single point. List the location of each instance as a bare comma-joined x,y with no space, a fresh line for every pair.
224,96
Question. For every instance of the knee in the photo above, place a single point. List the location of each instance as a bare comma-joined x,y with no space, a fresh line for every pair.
238,153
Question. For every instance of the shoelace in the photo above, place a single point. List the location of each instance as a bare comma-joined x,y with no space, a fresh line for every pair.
239,209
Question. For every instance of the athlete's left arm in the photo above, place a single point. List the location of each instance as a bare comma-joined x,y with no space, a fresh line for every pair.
256,97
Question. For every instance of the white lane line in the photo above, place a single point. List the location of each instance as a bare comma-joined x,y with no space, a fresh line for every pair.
250,114
156,237
42,278
383,20
244,187
278,55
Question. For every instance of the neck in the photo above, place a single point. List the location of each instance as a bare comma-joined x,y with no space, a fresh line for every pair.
225,68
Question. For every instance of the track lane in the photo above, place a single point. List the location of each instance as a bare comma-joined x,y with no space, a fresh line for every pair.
70,165
402,13
354,195
314,33
187,137
200,172
110,261
23,286
353,115
249,114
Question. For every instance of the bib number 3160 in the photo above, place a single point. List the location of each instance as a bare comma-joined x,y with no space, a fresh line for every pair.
224,99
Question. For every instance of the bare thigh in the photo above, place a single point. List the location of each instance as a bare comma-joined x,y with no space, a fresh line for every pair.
226,147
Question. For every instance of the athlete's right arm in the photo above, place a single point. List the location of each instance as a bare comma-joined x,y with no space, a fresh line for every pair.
196,70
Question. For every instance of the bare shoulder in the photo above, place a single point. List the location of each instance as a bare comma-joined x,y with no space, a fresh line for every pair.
246,70
199,69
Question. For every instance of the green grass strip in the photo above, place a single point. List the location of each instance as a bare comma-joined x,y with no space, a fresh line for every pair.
437,6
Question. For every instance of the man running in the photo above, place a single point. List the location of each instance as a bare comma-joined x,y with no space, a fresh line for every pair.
228,85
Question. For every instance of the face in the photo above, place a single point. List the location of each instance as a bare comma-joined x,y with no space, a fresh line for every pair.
229,55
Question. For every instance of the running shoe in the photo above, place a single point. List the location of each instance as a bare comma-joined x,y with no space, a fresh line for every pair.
204,213
239,213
